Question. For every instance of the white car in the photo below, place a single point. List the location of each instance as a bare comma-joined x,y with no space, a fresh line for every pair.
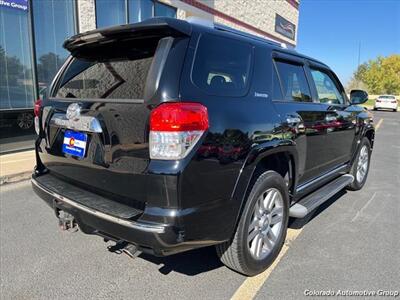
386,102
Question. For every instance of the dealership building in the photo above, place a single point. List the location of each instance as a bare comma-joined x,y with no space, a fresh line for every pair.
32,33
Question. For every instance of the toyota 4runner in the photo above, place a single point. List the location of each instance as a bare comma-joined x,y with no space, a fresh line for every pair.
168,135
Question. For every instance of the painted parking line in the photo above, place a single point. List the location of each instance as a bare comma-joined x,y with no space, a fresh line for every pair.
252,285
379,124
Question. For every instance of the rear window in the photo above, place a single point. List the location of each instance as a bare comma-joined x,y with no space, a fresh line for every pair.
124,79
222,66
121,74
387,97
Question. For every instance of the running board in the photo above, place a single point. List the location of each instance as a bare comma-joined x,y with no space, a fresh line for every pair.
312,201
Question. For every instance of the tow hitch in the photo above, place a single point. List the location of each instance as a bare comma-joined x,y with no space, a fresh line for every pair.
66,221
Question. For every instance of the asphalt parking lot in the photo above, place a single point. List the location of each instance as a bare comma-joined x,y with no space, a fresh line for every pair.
351,243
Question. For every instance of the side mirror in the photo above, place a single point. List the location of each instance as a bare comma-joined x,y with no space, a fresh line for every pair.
358,97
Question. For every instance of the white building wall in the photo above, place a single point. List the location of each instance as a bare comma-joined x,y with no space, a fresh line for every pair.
86,15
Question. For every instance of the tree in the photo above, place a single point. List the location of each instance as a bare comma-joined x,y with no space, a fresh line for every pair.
380,76
360,72
356,84
11,68
48,66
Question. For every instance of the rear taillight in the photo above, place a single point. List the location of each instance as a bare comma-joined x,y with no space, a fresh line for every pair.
175,128
394,101
36,112
37,107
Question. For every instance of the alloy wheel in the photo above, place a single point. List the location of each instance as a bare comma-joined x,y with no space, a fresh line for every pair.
362,164
266,223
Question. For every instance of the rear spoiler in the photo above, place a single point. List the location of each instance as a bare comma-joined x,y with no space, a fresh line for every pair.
154,27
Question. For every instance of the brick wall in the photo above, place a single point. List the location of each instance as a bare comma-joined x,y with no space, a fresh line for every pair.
258,13
254,16
86,15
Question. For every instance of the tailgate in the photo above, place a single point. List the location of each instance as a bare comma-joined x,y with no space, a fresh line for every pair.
94,131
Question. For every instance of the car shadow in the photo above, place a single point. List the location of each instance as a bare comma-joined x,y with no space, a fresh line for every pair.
299,223
195,262
190,263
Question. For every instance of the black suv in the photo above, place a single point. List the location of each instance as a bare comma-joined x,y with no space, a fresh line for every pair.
168,135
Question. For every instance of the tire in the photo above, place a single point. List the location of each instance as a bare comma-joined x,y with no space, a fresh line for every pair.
267,236
359,180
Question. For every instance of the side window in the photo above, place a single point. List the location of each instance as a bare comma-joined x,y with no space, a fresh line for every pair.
276,86
326,88
222,66
294,82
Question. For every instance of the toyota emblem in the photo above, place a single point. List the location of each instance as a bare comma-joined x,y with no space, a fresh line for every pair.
73,111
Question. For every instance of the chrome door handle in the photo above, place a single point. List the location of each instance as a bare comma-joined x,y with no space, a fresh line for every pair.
293,120
330,118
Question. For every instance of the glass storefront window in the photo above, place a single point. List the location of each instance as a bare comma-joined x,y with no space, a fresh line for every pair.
140,10
16,78
113,12
110,12
163,10
54,21
17,92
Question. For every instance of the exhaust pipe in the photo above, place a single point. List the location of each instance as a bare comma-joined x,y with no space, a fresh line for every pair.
131,250
124,247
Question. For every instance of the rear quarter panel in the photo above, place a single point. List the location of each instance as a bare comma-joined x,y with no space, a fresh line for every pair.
241,130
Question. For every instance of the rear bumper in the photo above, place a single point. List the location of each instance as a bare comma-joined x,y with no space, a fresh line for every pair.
386,105
159,239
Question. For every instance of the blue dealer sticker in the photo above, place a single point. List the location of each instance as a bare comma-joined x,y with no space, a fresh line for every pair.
74,143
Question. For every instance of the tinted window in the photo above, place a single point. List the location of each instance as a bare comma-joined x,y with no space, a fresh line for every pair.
277,91
117,78
222,66
294,83
387,97
326,88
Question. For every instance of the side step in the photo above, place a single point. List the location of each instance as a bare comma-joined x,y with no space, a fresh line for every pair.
312,201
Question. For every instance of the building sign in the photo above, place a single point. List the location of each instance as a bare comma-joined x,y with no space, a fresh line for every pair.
17,4
285,27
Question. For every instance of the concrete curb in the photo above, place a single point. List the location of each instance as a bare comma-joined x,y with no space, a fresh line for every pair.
12,178
17,166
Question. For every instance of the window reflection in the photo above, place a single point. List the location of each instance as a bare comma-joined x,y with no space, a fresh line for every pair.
110,12
140,10
113,12
16,80
164,10
54,21
16,84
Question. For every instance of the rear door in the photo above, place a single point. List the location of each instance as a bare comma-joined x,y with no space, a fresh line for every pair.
303,119
339,119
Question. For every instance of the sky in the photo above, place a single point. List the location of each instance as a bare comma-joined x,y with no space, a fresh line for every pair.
331,31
